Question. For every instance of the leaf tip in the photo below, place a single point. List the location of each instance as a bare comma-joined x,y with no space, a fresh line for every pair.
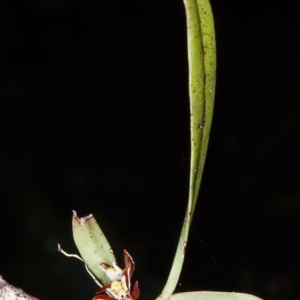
80,221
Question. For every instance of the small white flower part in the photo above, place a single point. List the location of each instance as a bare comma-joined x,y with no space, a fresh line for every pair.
114,273
118,289
120,286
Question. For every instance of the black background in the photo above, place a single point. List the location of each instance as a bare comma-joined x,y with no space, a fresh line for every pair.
94,117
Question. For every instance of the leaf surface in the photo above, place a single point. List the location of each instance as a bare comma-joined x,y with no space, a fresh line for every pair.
205,295
92,245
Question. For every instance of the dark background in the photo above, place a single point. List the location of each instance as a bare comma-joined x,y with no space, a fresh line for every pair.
94,117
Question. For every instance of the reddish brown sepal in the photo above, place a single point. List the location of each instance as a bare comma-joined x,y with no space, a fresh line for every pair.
105,266
128,261
136,291
103,297
127,273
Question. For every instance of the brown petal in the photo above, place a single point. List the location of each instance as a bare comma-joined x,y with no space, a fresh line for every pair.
128,261
127,274
103,297
136,291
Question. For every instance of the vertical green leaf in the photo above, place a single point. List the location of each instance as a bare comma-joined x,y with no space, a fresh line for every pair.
202,80
209,61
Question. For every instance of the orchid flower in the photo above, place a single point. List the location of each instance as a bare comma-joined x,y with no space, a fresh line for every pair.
120,286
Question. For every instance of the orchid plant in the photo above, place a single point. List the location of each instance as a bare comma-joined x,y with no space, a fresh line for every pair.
96,253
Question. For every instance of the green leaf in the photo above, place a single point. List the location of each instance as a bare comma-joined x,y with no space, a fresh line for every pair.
213,296
202,80
92,245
